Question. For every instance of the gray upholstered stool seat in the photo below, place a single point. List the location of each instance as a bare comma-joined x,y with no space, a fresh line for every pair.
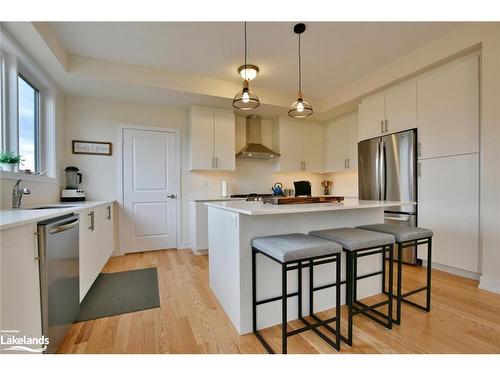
402,233
354,238
295,246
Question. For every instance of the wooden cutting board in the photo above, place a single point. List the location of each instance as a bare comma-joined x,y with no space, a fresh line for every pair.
301,200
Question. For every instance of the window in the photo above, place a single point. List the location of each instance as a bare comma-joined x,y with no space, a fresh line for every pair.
28,107
29,123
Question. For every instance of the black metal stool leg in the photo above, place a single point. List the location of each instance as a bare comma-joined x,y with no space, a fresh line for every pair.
355,273
299,290
429,267
399,283
337,300
383,273
284,319
311,288
349,300
254,292
389,307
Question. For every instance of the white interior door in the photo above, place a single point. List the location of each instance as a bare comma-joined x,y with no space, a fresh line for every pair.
149,190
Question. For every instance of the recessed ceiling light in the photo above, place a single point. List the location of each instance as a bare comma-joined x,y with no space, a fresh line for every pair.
248,72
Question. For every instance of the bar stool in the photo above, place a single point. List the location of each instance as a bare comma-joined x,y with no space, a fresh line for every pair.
407,236
359,243
294,252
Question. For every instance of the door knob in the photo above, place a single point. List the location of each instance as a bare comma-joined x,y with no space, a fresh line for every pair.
172,196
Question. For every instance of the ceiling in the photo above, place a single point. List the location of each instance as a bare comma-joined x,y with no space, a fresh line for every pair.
334,54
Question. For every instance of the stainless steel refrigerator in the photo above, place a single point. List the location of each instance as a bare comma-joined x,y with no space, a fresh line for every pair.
387,170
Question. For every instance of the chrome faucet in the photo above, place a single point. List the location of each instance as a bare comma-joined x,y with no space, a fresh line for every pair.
17,194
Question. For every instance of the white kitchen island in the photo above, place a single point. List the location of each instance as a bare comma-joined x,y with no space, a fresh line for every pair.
231,227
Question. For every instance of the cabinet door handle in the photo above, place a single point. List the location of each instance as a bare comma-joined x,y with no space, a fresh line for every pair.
382,126
216,162
419,149
419,169
386,121
348,163
109,212
91,227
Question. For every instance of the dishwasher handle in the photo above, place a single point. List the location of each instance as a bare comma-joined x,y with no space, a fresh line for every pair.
64,227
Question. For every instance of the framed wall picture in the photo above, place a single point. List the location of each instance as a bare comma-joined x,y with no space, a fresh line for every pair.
92,147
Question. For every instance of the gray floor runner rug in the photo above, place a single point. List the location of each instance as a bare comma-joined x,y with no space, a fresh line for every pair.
120,293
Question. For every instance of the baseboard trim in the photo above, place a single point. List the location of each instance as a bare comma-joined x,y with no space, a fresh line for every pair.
185,245
453,270
490,284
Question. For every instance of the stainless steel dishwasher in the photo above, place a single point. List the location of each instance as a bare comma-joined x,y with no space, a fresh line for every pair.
59,276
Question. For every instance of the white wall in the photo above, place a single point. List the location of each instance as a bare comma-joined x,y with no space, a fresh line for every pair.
345,184
98,120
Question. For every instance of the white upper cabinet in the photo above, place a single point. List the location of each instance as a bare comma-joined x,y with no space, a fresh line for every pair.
352,140
388,112
300,144
225,138
212,139
401,107
341,144
371,116
448,110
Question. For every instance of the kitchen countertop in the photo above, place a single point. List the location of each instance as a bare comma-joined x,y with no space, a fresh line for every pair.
214,199
13,217
259,208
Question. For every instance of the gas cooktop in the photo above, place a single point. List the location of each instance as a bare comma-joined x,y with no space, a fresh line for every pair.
251,196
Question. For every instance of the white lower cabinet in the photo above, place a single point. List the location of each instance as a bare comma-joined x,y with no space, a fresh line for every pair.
20,281
448,195
198,224
97,243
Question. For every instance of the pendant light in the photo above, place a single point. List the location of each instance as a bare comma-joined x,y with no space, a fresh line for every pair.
300,108
246,99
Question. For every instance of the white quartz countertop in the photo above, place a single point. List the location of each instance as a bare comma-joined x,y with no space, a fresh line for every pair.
14,217
214,199
259,208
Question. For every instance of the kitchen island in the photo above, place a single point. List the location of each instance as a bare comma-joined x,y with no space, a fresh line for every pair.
231,227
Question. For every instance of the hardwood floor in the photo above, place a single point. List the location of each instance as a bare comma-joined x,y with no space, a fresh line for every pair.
464,319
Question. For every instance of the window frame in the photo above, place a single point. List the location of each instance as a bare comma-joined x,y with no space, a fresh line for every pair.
38,121
15,62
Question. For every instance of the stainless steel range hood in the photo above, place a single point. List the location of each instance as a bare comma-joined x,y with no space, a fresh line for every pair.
254,149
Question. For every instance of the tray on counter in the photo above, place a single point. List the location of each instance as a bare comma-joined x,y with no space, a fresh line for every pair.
301,200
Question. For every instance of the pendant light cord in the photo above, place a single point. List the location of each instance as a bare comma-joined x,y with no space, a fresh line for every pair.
300,69
245,50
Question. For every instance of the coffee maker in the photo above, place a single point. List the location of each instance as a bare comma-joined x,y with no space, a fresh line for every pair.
72,192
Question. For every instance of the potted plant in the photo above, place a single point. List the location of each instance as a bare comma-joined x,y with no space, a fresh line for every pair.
10,161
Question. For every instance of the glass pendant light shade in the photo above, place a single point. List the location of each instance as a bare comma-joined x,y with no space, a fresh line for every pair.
300,108
246,99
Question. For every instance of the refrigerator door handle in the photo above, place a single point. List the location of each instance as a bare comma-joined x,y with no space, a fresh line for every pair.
400,219
379,171
383,171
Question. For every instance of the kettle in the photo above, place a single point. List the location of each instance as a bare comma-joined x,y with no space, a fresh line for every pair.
277,189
